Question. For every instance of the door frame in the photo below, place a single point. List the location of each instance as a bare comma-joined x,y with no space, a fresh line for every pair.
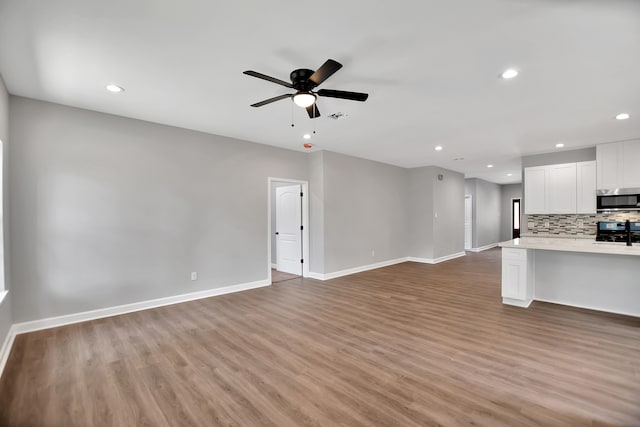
513,199
305,222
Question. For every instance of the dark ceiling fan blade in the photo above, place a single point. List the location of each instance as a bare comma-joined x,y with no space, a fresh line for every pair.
313,111
270,100
267,78
324,72
353,96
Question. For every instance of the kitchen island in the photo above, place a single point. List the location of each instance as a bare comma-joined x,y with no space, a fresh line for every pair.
577,272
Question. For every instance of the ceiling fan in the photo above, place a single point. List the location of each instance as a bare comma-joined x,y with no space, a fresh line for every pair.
304,81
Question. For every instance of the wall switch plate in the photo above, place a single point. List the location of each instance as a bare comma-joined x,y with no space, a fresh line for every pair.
373,253
194,275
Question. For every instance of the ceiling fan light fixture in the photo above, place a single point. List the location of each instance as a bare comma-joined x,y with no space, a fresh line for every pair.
304,99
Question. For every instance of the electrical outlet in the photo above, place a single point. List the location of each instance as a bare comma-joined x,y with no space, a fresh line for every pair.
546,224
194,275
580,223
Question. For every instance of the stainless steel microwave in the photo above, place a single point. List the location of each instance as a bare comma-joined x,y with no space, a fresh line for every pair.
622,199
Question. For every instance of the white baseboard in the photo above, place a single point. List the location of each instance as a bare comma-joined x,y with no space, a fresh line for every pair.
436,260
336,274
274,266
483,248
517,302
6,348
52,322
590,307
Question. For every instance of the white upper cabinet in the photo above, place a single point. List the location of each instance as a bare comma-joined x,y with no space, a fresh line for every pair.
586,187
618,165
561,189
535,190
566,188
631,164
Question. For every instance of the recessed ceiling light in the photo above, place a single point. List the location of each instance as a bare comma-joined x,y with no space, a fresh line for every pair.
559,145
114,88
622,116
509,74
306,136
438,148
509,174
489,166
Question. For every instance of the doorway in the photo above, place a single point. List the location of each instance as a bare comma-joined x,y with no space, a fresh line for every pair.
515,218
288,231
468,222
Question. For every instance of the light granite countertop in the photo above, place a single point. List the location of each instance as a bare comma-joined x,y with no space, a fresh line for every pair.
560,236
572,245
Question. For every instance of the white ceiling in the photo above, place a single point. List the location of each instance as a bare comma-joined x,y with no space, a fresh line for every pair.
431,69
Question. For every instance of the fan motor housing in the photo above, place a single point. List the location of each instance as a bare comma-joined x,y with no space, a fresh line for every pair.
300,79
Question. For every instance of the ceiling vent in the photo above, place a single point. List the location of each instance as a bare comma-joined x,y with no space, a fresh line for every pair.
338,115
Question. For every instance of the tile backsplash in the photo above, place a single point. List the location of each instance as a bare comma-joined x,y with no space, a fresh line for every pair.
580,224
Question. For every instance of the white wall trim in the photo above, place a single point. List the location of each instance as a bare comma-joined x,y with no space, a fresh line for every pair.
336,274
587,307
6,348
436,260
274,266
3,295
52,322
517,302
484,248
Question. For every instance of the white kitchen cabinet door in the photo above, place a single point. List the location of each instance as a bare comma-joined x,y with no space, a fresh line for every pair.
535,190
609,158
514,275
586,187
517,276
561,189
630,164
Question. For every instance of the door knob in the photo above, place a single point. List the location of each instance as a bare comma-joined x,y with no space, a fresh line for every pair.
277,233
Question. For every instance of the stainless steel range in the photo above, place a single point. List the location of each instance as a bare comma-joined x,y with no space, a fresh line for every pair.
624,232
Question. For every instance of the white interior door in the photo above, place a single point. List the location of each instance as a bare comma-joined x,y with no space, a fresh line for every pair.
468,220
288,233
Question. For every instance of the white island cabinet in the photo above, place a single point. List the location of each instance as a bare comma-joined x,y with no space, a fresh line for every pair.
577,272
517,276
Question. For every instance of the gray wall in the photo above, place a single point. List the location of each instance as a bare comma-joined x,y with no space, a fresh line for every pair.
559,157
5,306
509,192
316,211
436,214
365,209
421,212
108,210
487,198
448,206
555,158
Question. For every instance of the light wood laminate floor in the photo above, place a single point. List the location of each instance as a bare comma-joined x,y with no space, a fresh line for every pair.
407,345
281,276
